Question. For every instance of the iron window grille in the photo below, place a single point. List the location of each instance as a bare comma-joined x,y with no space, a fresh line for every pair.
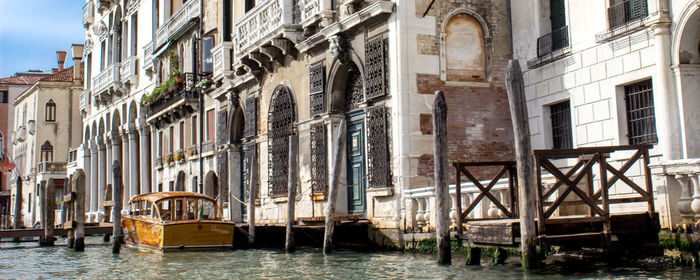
621,12
558,39
560,114
641,122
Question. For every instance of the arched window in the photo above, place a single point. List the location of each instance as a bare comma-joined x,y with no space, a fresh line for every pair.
46,152
50,111
465,58
280,119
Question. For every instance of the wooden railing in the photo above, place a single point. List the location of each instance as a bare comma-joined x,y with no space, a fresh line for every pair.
506,170
565,189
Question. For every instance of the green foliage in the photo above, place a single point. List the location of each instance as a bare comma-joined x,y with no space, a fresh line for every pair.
170,82
677,242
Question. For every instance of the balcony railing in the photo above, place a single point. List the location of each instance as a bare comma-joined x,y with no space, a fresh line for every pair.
148,56
88,13
626,11
177,22
223,60
310,9
107,81
558,39
52,167
129,70
103,4
182,95
84,100
260,23
682,179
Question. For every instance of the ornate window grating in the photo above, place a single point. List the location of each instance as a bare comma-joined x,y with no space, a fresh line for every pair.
316,86
319,182
251,109
281,121
375,67
222,171
378,151
221,128
250,152
354,89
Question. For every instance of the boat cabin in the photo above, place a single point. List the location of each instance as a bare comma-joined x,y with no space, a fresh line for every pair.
174,206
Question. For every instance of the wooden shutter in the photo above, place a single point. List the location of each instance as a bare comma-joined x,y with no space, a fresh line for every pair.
557,13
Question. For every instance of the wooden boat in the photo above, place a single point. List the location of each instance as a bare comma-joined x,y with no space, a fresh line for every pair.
174,221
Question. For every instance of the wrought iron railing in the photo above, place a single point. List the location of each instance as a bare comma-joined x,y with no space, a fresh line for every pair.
626,11
184,91
558,39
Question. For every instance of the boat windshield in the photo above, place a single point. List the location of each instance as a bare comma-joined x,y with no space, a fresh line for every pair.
207,209
165,210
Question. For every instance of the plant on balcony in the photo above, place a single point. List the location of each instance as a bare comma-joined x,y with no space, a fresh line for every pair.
179,157
203,84
174,79
168,159
191,152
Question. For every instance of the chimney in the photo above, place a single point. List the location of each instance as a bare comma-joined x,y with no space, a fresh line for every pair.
61,59
77,50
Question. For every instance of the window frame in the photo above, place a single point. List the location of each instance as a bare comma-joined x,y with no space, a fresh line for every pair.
638,131
50,111
561,112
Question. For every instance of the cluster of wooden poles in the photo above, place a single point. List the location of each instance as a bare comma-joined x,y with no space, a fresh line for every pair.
525,169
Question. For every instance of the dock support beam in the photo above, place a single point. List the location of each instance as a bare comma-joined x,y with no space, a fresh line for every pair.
251,203
525,165
289,244
338,146
78,182
441,191
474,255
17,219
117,190
48,198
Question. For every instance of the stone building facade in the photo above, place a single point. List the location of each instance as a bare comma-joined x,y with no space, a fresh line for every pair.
607,73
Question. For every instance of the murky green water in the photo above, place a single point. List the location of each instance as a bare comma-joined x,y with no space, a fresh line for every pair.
26,261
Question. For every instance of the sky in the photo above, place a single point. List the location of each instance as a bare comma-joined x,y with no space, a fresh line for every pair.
31,31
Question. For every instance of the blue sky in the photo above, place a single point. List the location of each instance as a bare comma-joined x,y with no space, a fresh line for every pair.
31,31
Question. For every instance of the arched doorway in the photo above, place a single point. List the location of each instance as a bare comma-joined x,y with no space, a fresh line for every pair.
180,182
686,58
211,186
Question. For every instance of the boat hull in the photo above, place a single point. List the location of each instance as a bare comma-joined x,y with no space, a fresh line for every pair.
178,236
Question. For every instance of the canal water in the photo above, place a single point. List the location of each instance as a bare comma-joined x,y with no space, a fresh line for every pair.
26,261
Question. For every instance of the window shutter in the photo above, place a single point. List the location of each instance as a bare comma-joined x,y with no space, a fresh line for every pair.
557,14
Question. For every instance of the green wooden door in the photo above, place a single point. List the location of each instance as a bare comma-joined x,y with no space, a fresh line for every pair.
356,180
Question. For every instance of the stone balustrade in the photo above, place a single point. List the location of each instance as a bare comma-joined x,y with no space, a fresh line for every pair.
420,204
52,167
129,70
177,23
85,100
107,83
88,13
681,178
223,60
148,56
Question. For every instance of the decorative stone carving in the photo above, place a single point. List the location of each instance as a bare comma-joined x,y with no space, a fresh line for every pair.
354,89
338,47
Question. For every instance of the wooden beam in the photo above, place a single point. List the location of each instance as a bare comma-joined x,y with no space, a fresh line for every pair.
338,147
442,194
525,164
78,182
289,244
117,196
251,201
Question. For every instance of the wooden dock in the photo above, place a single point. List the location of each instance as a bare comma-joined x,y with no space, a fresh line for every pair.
38,232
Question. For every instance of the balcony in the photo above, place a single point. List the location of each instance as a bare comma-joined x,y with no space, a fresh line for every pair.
88,14
264,35
103,4
223,60
52,167
682,180
85,100
174,102
129,70
551,47
624,18
107,84
178,23
148,57
20,134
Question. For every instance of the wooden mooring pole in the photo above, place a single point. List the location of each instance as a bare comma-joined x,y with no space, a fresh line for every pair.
442,202
48,199
251,202
525,164
17,219
78,182
117,190
289,244
338,146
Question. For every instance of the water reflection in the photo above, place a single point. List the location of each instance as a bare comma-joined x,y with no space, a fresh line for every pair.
97,262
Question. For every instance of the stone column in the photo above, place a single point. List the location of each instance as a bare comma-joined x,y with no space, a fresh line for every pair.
685,200
145,158
133,161
154,155
125,166
102,179
695,204
86,169
665,101
108,156
94,177
234,182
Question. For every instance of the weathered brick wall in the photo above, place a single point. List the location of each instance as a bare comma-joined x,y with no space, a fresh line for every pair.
479,125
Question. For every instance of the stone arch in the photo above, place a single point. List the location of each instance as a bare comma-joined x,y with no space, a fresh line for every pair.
281,119
682,47
211,186
133,111
86,135
117,30
180,182
337,84
116,121
236,125
464,51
